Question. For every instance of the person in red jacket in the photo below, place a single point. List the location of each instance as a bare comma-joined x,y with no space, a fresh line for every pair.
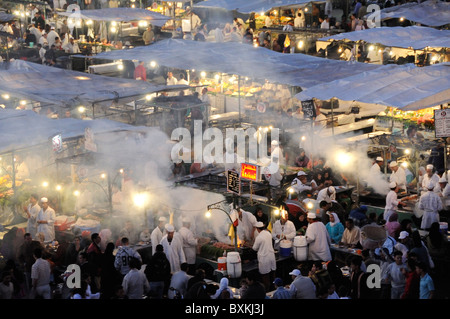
140,72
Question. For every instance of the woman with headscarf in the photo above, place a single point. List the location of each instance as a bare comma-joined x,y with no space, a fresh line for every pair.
334,228
223,286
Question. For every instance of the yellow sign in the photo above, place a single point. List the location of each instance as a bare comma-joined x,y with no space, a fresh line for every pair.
249,171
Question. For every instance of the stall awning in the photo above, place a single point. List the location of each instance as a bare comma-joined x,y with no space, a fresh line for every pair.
242,59
433,13
21,129
405,87
6,17
247,6
415,37
118,15
51,85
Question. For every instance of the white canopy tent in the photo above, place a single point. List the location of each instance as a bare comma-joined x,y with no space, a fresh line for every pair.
433,13
56,86
119,15
248,6
407,87
242,59
25,128
415,37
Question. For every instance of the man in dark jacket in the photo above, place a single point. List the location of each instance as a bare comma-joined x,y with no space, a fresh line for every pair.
158,273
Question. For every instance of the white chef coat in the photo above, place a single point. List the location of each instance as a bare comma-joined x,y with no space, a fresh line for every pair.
31,223
245,226
426,180
318,242
189,244
399,177
174,252
391,204
431,204
47,229
299,187
155,238
265,252
286,231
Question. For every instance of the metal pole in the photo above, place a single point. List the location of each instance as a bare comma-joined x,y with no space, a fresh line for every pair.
239,97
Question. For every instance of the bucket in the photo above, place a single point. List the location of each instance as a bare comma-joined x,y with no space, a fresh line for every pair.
300,248
234,266
222,263
285,248
443,227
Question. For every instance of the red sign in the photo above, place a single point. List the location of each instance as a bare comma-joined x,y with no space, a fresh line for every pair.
249,171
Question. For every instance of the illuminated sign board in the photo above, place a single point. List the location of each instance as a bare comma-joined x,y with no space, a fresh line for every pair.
249,172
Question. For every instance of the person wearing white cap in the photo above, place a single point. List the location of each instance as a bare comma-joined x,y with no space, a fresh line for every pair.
431,204
444,191
158,233
327,194
402,245
173,247
189,244
246,226
430,176
51,36
392,201
46,221
265,253
301,287
71,46
283,229
299,184
375,173
318,239
398,175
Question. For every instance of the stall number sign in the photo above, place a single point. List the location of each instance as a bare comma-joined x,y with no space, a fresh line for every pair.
442,123
57,143
233,182
249,171
308,108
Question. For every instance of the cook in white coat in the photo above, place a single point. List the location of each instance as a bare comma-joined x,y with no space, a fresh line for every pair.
282,229
266,254
189,243
32,212
46,221
430,176
431,204
318,239
246,226
158,233
173,247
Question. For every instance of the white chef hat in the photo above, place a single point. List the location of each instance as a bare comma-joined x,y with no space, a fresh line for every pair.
379,159
442,179
301,173
170,228
44,200
430,185
331,189
274,143
259,224
393,164
186,220
430,166
311,215
392,185
162,219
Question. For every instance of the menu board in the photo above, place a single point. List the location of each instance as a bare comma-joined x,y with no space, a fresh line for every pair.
233,182
442,123
309,109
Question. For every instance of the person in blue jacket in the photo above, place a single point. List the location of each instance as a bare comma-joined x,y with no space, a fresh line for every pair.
334,228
